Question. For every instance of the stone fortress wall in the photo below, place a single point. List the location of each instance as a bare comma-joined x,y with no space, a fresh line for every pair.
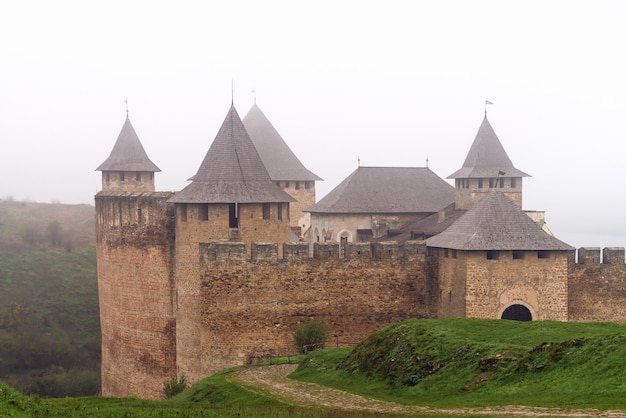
249,297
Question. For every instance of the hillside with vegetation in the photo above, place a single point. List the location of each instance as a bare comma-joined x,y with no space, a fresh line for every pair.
49,316
449,367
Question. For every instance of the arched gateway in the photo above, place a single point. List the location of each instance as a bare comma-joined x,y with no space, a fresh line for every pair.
517,313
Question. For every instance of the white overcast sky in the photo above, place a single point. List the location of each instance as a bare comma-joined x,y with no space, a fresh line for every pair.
390,82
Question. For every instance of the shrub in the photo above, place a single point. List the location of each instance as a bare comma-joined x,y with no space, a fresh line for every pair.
174,386
310,336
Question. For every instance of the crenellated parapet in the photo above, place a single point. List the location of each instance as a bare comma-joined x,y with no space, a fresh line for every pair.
595,255
298,252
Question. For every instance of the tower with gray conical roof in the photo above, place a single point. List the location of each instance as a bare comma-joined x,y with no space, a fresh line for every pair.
486,167
284,168
231,198
128,168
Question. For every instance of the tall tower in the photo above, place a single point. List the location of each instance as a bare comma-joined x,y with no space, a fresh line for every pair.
230,198
284,168
486,167
134,246
128,168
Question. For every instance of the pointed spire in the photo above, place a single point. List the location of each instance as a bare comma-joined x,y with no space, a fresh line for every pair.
232,171
128,154
487,157
280,162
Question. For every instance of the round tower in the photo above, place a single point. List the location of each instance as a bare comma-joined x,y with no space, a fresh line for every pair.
134,246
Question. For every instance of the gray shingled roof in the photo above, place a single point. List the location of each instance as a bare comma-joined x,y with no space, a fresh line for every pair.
496,223
487,157
281,163
128,153
232,171
387,190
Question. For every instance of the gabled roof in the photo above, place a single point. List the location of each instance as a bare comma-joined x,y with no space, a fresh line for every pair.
496,223
281,163
128,153
487,157
232,171
387,190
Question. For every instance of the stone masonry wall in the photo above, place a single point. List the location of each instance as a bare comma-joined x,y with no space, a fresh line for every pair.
191,230
134,244
540,284
597,290
250,306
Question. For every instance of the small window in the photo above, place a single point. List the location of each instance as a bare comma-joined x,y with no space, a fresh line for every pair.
492,255
453,253
278,183
122,176
491,185
480,183
307,185
204,211
518,255
445,253
280,211
108,178
513,183
501,182
138,176
266,211
183,212
543,254
297,185
286,184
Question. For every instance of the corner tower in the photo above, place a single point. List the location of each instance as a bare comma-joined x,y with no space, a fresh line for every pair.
128,168
134,247
230,198
486,167
284,168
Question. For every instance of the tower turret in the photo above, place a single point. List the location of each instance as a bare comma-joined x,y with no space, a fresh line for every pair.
486,167
284,168
128,168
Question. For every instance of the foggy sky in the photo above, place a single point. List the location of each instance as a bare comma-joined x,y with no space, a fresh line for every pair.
392,83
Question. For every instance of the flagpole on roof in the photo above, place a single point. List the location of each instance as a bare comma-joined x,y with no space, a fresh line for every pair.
487,102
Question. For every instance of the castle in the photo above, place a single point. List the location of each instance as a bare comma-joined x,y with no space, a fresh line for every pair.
217,274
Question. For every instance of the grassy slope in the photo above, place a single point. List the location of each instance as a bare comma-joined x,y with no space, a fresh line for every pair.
471,362
441,363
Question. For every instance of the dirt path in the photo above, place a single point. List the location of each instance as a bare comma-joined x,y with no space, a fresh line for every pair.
273,381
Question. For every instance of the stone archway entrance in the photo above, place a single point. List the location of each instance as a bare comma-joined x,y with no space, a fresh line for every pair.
517,313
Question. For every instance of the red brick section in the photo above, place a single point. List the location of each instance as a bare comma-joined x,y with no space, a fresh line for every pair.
136,293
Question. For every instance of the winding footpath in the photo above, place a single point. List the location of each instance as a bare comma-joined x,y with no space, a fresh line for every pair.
273,381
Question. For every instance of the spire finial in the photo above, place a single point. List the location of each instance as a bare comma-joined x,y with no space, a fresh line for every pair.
426,162
358,161
254,94
126,101
487,102
232,92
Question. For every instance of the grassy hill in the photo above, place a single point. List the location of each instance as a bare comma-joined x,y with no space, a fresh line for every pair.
446,364
49,323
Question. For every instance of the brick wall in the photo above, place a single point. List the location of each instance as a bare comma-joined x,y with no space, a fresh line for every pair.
134,244
249,308
597,290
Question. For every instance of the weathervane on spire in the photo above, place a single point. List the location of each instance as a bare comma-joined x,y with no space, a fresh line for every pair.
487,102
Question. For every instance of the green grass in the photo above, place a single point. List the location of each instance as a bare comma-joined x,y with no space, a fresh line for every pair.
438,363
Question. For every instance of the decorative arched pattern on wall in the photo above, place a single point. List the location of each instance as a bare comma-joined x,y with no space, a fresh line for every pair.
344,234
